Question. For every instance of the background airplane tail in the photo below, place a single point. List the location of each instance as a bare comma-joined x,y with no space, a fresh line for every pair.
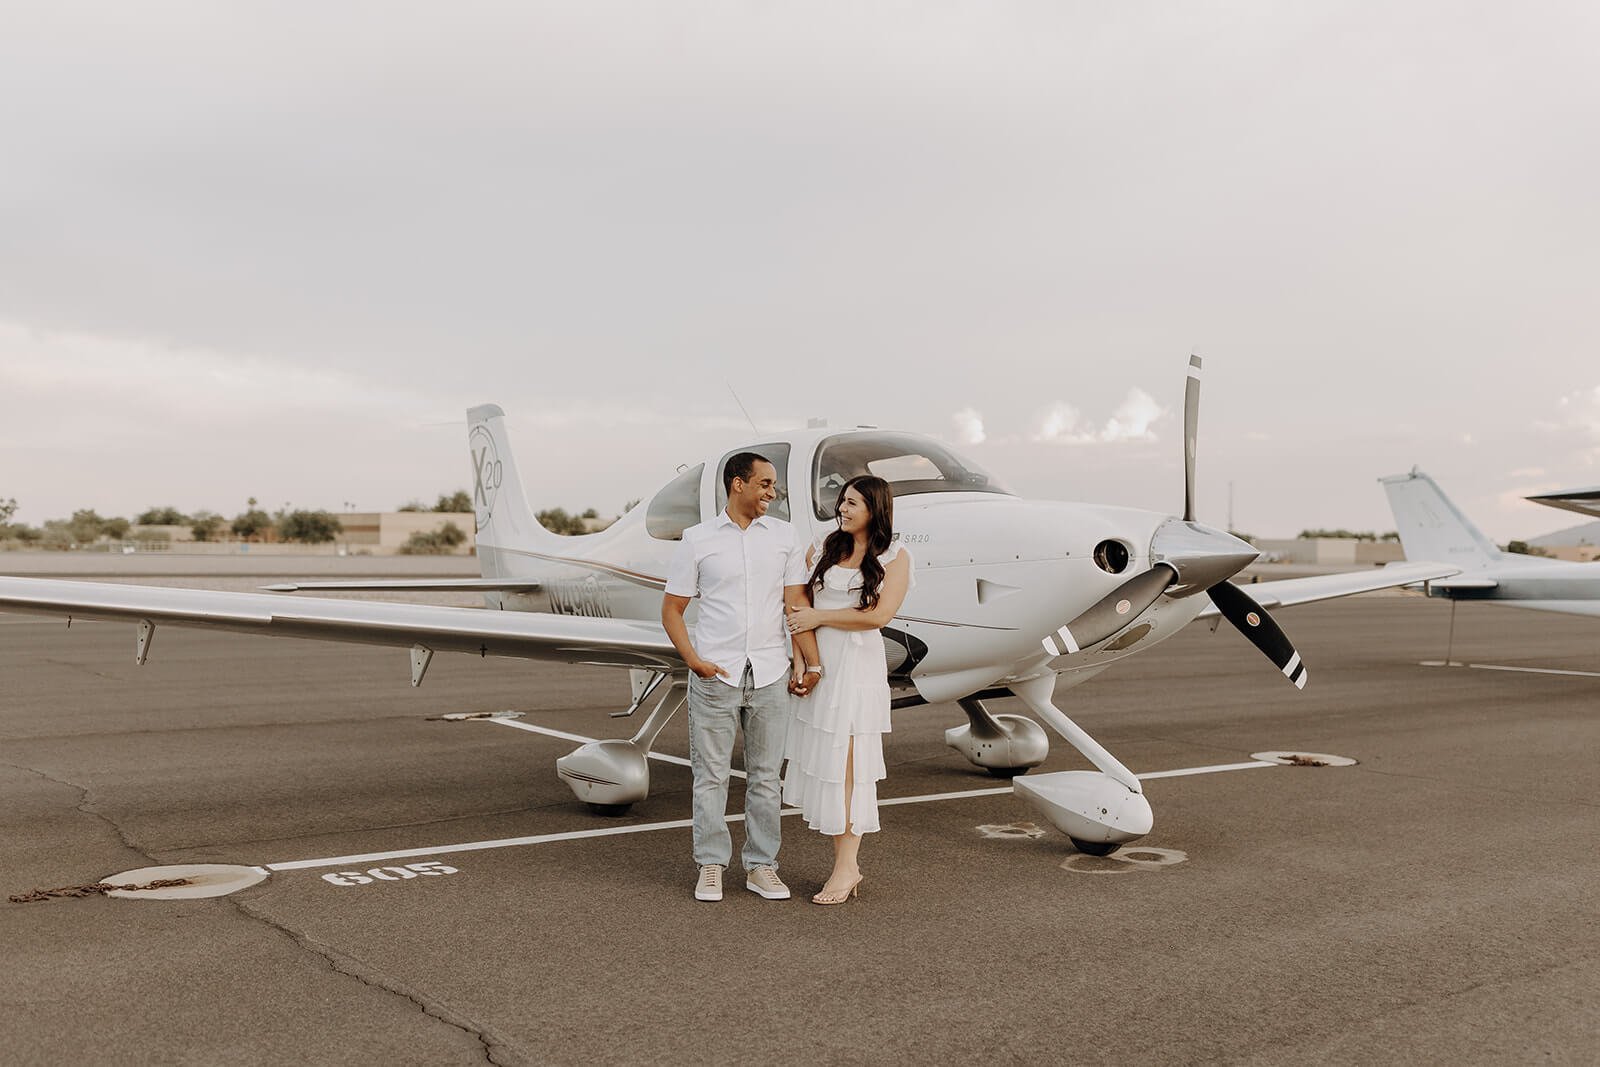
505,521
1431,527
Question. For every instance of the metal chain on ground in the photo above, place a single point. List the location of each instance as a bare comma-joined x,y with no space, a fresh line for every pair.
93,889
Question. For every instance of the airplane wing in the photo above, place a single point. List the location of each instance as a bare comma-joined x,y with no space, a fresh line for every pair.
418,585
1290,591
1583,501
525,635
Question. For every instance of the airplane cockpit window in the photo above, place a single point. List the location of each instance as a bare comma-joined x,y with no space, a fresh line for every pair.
910,464
778,455
676,507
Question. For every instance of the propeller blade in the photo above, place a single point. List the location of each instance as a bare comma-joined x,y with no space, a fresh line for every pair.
1191,432
1112,612
1252,620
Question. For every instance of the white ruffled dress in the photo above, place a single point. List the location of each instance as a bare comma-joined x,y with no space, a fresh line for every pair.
851,701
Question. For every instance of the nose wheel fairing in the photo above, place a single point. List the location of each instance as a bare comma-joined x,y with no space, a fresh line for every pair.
1004,745
1089,807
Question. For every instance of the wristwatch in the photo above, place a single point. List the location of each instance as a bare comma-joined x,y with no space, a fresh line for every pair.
815,668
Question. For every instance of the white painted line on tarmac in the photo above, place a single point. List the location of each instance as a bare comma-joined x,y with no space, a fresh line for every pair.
548,732
478,846
1500,667
997,790
1534,670
1209,770
675,824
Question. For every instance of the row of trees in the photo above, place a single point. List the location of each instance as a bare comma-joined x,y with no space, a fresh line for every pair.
255,524
1351,535
458,502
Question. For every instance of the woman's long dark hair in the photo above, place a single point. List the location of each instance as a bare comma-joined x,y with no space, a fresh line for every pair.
879,498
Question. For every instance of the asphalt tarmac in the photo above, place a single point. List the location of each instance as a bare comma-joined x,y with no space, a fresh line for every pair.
1435,903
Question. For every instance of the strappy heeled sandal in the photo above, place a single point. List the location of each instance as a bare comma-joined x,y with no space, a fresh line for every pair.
853,890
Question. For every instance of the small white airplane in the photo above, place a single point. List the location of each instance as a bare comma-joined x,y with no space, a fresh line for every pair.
1432,527
1013,597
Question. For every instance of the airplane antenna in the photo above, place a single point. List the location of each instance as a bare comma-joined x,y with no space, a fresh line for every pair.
742,408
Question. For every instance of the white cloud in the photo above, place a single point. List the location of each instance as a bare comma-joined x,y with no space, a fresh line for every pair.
969,426
1132,421
1059,425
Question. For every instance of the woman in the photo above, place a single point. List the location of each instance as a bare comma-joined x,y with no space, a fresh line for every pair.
858,580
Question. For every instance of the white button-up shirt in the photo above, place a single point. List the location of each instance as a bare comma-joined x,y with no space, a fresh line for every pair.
739,576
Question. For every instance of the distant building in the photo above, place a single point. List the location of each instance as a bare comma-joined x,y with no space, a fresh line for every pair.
378,533
383,532
1330,551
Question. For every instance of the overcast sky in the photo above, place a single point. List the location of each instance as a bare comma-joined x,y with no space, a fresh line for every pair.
277,249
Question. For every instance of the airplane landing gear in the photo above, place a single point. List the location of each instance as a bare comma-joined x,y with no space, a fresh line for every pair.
611,776
1100,810
1003,745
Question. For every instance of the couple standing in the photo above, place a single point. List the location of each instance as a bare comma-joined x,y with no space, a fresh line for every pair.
823,702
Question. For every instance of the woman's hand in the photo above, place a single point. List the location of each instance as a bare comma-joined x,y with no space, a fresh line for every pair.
803,619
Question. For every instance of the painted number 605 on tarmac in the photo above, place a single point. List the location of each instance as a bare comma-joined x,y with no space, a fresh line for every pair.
388,874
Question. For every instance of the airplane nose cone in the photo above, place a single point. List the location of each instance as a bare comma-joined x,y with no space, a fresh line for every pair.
1201,555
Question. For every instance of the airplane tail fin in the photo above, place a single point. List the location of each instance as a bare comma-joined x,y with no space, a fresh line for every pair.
505,521
1431,527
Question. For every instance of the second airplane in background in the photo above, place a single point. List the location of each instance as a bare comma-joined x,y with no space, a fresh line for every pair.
1432,528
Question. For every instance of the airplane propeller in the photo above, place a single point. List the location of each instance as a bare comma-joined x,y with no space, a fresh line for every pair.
1188,557
1252,620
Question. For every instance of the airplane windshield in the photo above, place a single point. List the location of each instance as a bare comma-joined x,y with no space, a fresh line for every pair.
910,464
676,507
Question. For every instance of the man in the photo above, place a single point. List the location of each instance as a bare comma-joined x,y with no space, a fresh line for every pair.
745,567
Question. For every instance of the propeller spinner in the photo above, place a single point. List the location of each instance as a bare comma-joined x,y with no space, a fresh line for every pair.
1188,557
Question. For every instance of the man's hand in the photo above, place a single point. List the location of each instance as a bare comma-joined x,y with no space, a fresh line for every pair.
800,682
706,669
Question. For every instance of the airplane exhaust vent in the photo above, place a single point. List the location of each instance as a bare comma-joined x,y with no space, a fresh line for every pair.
1111,556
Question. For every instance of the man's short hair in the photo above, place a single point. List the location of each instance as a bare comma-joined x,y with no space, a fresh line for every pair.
741,465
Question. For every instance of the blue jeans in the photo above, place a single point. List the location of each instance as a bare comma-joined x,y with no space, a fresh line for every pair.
716,712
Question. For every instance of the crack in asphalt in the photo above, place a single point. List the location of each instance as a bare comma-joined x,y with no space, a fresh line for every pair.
496,1049
341,963
84,808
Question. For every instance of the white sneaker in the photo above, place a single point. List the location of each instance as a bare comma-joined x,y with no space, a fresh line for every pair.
709,887
765,880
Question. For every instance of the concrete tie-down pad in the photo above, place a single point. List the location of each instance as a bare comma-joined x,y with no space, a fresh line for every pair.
204,880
